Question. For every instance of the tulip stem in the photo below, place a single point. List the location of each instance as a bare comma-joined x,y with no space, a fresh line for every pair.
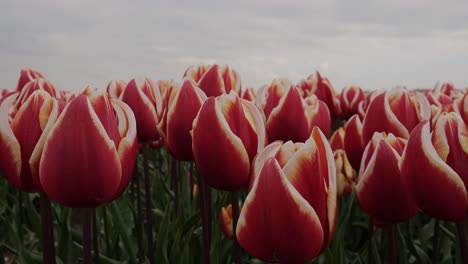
94,231
149,211
87,235
370,257
392,244
236,253
106,230
204,216
139,218
48,247
175,185
435,242
463,238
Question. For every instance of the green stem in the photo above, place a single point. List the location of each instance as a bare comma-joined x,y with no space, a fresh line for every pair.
47,237
149,210
87,212
236,253
463,238
435,242
119,223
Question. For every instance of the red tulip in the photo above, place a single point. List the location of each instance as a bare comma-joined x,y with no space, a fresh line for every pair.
289,214
285,109
464,108
436,167
337,139
3,93
145,101
115,88
353,141
175,125
249,95
26,76
345,174
350,99
381,188
92,165
227,124
324,91
22,135
215,80
31,87
396,111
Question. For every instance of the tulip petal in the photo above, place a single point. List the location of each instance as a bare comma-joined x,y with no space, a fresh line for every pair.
436,187
353,141
283,226
211,140
270,151
79,167
212,82
10,160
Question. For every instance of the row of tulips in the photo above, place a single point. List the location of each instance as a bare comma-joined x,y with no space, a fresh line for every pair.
293,147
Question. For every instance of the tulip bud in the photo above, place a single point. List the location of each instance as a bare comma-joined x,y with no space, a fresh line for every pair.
285,108
381,188
115,88
215,80
22,136
31,87
227,124
353,141
90,166
249,95
293,196
26,76
337,139
345,175
396,111
350,99
180,111
145,101
436,168
225,219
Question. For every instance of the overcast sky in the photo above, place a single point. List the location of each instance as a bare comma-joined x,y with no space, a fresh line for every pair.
374,44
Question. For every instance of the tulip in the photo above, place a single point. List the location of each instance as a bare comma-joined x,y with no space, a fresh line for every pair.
145,101
285,109
353,141
350,99
324,91
337,139
226,221
381,188
436,167
115,88
3,93
249,94
345,175
66,96
289,214
92,165
464,108
175,125
215,80
26,76
227,124
22,136
396,111
34,85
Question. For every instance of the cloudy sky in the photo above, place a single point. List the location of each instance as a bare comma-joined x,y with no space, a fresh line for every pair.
375,44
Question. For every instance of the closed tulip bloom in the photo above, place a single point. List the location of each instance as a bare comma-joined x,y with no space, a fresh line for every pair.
436,167
225,219
381,188
337,139
22,135
227,134
289,214
464,108
31,87
92,165
353,141
294,117
324,91
350,99
345,174
145,101
396,111
249,95
115,88
215,80
26,76
183,105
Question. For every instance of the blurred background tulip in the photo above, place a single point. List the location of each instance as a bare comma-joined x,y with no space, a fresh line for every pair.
290,211
350,99
115,88
226,221
214,79
337,139
26,76
345,174
353,141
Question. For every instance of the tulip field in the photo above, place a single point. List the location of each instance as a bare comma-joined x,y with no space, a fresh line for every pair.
205,170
